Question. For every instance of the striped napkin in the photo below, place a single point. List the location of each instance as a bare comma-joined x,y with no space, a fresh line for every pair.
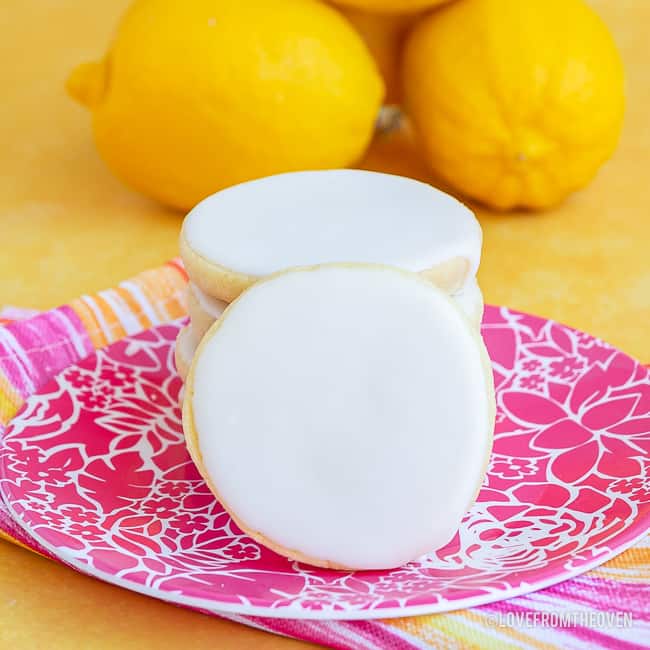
578,613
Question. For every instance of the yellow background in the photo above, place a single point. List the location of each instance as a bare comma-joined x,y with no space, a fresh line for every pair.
68,227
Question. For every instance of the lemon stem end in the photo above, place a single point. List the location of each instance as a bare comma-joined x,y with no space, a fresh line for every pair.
87,83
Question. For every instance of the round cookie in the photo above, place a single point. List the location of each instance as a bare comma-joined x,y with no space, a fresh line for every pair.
186,344
470,301
338,432
203,310
255,229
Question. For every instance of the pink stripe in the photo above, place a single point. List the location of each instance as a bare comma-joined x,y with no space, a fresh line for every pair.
340,634
14,363
324,633
620,595
47,348
177,264
600,640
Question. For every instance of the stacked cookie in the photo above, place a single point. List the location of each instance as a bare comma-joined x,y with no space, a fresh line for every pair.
253,230
338,395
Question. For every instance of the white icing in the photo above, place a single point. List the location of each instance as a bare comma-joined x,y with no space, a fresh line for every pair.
211,306
344,215
343,412
470,300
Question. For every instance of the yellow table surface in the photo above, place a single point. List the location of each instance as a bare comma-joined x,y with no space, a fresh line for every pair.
69,227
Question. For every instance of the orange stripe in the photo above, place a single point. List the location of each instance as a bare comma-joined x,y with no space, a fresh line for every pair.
630,558
115,328
134,307
162,289
90,323
177,307
631,566
10,400
155,287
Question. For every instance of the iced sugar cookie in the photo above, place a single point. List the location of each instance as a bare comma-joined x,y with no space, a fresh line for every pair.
252,230
203,310
186,344
338,431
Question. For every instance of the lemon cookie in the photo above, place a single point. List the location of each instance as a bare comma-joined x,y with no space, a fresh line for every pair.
252,230
334,430
186,344
203,310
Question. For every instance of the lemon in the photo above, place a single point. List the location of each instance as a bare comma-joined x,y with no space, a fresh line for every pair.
515,103
198,95
384,35
391,6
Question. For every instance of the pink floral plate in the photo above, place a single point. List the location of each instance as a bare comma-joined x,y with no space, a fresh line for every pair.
95,469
